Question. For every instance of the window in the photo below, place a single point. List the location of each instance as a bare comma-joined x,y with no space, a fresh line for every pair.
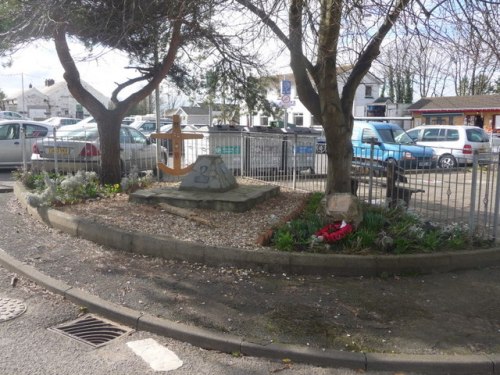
9,131
368,92
125,136
452,135
264,120
34,131
434,135
368,135
298,119
137,136
314,121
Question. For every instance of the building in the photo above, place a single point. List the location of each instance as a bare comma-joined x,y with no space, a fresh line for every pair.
479,110
296,114
53,100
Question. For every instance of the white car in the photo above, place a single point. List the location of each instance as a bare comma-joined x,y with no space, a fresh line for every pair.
9,115
12,144
61,121
147,127
77,147
453,144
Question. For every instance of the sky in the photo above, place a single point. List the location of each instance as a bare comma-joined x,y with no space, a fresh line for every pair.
39,62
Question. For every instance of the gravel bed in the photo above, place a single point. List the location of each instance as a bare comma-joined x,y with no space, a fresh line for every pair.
229,229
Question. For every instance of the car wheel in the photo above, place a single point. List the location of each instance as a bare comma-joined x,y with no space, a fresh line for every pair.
447,161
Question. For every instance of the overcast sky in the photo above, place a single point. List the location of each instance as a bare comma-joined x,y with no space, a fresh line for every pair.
39,62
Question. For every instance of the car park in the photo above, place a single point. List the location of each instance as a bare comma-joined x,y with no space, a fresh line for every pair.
454,145
17,138
390,144
77,147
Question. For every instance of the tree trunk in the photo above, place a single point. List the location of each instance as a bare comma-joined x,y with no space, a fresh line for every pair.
109,133
339,151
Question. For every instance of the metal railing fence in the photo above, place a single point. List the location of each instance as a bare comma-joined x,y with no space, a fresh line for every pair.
466,194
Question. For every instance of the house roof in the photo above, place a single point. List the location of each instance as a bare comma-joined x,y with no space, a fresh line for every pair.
382,100
194,111
455,103
27,92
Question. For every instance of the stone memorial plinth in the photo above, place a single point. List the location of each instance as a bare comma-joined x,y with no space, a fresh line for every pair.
209,173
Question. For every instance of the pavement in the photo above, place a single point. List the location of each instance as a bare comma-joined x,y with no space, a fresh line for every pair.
438,323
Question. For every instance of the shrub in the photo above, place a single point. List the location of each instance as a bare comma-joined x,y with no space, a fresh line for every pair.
56,190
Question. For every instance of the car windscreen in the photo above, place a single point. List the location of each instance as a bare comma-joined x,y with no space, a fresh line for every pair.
394,135
80,134
476,135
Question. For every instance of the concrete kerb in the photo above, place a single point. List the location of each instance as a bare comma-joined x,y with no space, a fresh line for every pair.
477,364
272,261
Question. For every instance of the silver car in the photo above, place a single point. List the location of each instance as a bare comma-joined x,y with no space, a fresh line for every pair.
453,144
17,138
77,147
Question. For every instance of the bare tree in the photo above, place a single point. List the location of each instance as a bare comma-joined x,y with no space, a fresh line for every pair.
319,37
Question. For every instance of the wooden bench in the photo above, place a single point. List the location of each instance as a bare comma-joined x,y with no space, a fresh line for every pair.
388,176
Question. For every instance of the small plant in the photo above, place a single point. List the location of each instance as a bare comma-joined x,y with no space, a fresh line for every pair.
283,240
133,181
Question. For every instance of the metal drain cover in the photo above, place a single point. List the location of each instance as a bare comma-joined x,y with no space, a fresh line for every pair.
91,330
10,309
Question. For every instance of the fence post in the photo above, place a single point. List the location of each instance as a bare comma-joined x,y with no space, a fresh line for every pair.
242,154
472,224
370,170
23,146
497,200
54,134
294,164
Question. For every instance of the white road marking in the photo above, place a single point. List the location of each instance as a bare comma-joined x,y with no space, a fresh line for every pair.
155,355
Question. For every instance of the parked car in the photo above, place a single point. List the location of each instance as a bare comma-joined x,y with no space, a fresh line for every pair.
12,144
61,121
9,115
147,127
391,144
77,147
453,144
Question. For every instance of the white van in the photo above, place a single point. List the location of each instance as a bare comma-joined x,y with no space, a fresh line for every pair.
453,144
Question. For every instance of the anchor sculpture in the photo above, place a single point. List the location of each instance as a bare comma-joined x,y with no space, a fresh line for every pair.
177,137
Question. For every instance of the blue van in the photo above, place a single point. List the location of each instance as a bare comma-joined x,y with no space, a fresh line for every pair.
391,143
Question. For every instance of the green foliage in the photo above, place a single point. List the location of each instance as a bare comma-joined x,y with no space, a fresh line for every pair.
283,240
382,230
296,234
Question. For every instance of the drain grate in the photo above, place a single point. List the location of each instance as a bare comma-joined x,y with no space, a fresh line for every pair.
91,330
